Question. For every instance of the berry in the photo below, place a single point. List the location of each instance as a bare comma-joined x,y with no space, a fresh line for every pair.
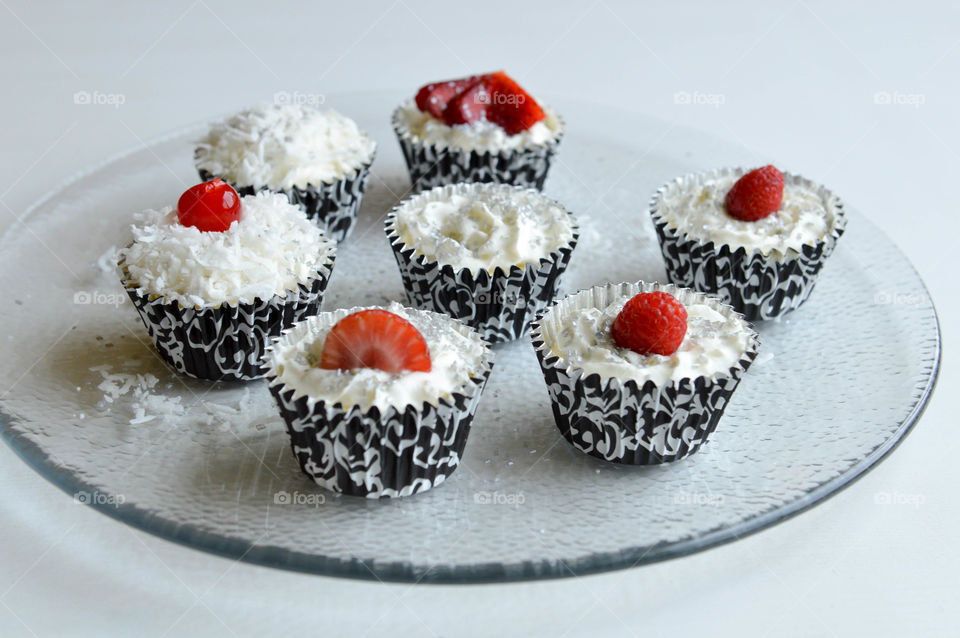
756,195
210,207
433,98
470,105
375,339
651,323
512,108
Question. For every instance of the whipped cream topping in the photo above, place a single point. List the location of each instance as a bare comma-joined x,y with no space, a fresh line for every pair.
483,226
714,343
456,354
282,146
271,249
474,136
695,206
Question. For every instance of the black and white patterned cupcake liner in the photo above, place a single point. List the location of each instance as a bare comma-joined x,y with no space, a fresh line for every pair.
499,305
225,342
760,286
402,451
621,421
332,205
431,165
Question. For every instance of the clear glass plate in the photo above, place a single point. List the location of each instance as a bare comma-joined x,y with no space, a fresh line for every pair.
849,375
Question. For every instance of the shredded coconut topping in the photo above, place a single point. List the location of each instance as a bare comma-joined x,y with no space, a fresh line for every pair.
271,249
282,146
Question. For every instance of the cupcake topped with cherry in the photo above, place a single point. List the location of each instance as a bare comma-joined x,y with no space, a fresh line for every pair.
477,121
216,247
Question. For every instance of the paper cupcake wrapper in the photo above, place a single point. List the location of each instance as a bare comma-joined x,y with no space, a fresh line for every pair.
332,205
499,305
226,342
431,165
623,422
757,285
406,450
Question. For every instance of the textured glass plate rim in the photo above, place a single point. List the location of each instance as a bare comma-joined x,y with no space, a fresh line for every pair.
403,572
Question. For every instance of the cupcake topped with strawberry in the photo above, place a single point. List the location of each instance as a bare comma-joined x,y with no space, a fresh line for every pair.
652,335
480,112
217,248
760,210
378,357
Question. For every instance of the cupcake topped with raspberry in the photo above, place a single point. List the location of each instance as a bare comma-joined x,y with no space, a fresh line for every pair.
217,248
481,112
281,146
641,373
650,336
760,210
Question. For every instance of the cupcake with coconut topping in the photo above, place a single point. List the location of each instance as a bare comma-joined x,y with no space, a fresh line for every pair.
490,255
217,276
378,402
483,128
757,239
319,159
641,373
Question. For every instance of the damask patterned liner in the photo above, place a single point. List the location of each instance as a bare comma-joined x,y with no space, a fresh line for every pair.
622,422
333,205
405,450
430,165
500,305
758,286
226,342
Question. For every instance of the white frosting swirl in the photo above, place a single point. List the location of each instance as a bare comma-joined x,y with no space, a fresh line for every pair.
456,354
271,249
483,226
474,136
714,343
282,146
695,207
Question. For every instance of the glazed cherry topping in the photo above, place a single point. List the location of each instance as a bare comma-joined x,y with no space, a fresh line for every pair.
210,207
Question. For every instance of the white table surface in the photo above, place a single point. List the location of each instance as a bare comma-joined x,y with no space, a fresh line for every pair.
797,81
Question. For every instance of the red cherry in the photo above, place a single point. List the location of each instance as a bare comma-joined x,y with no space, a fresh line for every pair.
210,207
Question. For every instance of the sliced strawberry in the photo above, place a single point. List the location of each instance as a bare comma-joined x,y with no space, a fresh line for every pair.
375,339
511,108
470,105
433,98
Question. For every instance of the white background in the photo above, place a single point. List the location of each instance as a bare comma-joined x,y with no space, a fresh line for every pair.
797,81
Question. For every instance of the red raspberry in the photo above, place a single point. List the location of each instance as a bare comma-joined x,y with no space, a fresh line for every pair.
756,194
651,323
